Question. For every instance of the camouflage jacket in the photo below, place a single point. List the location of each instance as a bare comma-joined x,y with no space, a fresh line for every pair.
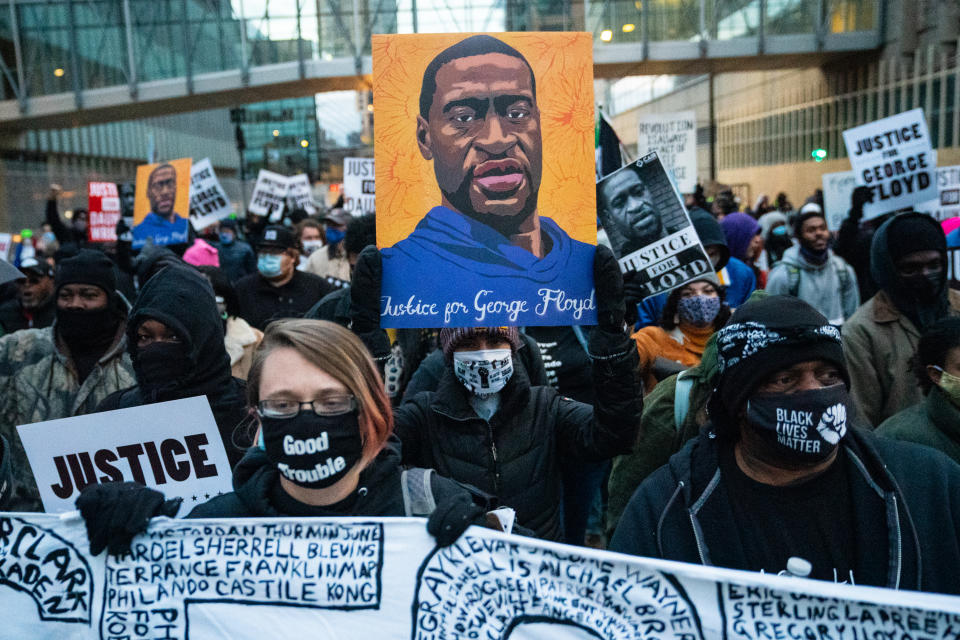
39,382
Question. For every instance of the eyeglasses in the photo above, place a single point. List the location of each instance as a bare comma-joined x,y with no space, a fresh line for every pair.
329,406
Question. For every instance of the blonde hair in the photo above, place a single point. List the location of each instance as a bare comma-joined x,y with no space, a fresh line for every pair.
341,354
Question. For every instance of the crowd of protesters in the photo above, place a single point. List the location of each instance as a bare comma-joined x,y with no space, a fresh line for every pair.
800,401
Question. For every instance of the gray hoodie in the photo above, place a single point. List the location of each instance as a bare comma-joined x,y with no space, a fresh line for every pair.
822,286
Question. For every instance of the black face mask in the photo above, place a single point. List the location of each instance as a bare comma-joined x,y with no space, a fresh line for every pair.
924,287
160,367
84,329
799,429
313,451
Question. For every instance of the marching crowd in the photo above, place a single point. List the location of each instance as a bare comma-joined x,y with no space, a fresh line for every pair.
800,405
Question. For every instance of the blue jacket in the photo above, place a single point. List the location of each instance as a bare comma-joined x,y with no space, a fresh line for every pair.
737,276
162,231
450,258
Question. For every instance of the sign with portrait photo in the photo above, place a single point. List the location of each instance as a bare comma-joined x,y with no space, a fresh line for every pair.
485,154
648,227
161,209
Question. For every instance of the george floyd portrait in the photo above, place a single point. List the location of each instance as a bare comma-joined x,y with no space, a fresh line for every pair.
625,206
484,225
162,193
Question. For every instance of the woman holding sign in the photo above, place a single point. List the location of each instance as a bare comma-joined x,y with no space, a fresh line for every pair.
324,449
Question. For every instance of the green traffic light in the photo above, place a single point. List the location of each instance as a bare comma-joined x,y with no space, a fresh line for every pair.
819,154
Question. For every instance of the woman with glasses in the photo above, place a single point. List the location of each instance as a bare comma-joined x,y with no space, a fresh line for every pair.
175,340
323,448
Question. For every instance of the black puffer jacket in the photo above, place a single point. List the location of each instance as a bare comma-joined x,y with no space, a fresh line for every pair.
683,511
182,299
516,455
255,487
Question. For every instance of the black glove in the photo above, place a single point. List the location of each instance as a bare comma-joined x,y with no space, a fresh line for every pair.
633,293
608,282
117,511
365,292
452,517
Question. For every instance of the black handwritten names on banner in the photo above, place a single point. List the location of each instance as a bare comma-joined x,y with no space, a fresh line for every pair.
49,569
761,613
320,566
484,588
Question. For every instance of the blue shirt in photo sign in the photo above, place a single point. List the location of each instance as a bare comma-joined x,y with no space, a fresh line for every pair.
161,230
453,271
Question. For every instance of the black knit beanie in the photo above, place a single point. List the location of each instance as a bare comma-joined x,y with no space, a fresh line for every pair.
911,232
764,336
88,267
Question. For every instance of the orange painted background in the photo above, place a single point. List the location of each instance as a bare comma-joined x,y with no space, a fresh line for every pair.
406,187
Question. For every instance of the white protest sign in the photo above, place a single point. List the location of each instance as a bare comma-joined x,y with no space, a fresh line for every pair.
6,239
171,446
674,137
947,203
359,186
269,194
894,157
837,192
209,203
299,191
385,578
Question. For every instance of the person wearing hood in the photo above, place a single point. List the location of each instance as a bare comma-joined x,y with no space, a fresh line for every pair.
175,340
783,481
240,339
236,256
692,314
278,290
66,369
332,261
34,306
813,273
738,279
776,238
745,240
487,426
935,422
909,265
324,450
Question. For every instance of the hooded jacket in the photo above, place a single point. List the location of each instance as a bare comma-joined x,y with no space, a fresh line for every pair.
830,288
515,456
183,300
879,339
38,382
683,511
255,480
472,255
237,259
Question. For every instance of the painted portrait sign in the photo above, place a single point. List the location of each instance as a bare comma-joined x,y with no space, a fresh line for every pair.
485,164
161,209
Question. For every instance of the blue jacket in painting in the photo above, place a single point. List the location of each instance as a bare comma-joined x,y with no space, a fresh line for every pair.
162,231
455,271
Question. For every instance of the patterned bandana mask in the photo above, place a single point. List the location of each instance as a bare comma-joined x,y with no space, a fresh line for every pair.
805,426
698,310
483,372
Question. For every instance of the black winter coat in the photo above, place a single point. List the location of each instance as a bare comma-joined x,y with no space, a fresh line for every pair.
13,319
182,299
682,512
261,302
379,492
515,457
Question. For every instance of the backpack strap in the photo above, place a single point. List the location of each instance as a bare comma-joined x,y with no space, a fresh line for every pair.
793,275
681,399
418,499
842,275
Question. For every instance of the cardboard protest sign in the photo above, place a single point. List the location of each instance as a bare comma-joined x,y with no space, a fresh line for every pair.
269,194
175,447
894,157
344,577
359,186
947,203
103,207
209,203
674,137
648,227
162,204
837,193
298,190
484,192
